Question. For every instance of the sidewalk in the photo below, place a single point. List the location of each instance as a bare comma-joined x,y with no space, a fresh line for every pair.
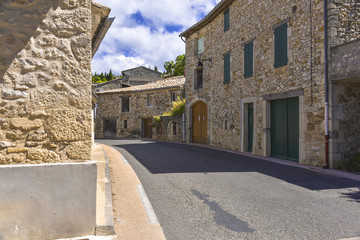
120,197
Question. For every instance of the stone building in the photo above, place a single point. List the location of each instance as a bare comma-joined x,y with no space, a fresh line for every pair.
256,82
129,112
46,117
131,77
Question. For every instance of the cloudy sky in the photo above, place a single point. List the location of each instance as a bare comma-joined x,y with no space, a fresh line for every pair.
146,32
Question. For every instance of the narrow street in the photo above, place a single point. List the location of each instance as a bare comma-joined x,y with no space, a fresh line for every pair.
204,193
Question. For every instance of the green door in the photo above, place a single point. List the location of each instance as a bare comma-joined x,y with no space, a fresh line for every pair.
285,128
250,126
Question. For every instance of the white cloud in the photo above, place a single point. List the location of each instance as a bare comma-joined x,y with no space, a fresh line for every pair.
128,44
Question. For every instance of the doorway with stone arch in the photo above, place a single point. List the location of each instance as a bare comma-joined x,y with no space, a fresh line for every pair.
199,122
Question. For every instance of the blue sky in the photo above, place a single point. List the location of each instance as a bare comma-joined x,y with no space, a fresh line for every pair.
146,32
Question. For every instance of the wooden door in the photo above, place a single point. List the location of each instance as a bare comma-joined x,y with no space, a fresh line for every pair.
147,128
199,123
250,126
285,128
109,128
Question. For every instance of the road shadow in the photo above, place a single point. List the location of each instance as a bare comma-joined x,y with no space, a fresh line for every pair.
166,158
354,196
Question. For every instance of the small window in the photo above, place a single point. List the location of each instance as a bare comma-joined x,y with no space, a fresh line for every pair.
226,124
281,45
125,124
226,20
200,45
150,100
198,78
173,96
125,104
248,59
227,68
174,128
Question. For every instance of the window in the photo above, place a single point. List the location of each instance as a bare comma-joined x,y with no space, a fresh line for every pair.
174,128
173,96
226,20
226,124
198,78
125,124
150,100
200,45
281,45
227,68
248,59
125,104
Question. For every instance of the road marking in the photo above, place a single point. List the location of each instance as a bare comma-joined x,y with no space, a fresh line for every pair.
147,206
124,160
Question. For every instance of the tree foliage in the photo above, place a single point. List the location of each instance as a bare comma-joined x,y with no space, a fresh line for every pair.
175,68
103,77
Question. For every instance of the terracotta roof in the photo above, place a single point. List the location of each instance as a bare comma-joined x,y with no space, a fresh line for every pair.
167,83
218,9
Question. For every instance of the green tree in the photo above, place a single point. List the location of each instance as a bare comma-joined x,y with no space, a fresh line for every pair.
155,68
169,67
179,66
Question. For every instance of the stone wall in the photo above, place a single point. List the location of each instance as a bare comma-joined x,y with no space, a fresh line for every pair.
344,21
255,21
45,75
165,130
109,107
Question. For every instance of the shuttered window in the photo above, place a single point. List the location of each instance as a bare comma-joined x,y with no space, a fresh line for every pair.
227,68
226,20
125,104
248,59
281,45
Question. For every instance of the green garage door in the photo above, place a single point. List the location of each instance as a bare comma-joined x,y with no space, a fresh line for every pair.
285,128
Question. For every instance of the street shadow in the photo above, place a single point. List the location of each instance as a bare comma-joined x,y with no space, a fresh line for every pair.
19,21
165,158
354,196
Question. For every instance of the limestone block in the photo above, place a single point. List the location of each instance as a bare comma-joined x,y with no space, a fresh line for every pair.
43,155
69,125
67,24
29,80
79,150
25,124
15,158
75,74
60,86
5,144
22,2
2,159
32,144
38,114
15,135
37,135
17,150
80,47
11,94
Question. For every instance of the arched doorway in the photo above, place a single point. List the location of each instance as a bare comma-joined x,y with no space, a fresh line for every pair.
199,122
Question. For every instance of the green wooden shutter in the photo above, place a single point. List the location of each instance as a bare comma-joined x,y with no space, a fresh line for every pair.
227,68
226,20
248,59
281,45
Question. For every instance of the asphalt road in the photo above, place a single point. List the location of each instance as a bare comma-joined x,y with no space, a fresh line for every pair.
203,193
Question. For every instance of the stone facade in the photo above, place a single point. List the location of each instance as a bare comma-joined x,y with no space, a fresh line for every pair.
45,75
301,78
145,102
169,129
131,77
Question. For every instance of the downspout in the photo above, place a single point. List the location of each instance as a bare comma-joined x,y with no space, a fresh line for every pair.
326,85
183,127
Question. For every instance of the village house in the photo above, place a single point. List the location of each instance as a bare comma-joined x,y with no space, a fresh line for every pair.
129,112
262,78
131,77
48,188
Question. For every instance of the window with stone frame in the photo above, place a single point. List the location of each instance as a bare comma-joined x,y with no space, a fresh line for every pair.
125,104
150,100
198,78
173,96
125,126
200,46
281,46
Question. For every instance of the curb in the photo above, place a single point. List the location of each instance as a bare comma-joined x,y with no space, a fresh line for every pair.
108,229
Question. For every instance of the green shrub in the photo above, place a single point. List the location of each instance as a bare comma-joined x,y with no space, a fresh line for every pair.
352,165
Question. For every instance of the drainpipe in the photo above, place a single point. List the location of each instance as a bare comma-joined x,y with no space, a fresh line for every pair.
326,86
183,127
